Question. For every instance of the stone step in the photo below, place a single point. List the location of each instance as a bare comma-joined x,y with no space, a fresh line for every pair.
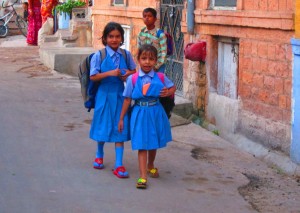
64,59
51,38
183,107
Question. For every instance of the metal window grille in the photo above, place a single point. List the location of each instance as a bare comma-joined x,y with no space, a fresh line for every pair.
118,2
224,3
170,20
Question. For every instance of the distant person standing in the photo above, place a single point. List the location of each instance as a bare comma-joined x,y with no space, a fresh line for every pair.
150,35
34,21
25,8
46,9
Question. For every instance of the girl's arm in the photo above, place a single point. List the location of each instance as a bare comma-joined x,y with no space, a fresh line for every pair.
165,92
131,66
126,104
169,88
100,76
128,73
162,51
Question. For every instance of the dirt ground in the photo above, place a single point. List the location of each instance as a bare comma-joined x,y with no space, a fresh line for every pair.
267,191
272,192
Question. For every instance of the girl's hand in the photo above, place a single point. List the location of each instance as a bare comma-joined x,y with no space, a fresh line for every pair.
121,125
116,72
164,92
125,73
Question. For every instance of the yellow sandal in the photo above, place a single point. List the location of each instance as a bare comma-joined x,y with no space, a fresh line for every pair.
153,173
141,183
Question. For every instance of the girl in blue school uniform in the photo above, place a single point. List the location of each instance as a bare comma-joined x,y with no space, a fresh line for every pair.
111,73
149,125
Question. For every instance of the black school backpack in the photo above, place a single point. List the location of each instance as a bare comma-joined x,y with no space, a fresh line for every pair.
88,87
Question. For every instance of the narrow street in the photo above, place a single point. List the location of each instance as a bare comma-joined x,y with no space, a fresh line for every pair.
46,157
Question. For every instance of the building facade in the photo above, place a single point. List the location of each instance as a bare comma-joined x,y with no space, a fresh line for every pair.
244,87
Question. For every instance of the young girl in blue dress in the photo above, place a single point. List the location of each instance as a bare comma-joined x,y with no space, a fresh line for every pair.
149,125
111,73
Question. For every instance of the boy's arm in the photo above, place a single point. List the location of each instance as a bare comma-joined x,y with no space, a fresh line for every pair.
138,41
162,51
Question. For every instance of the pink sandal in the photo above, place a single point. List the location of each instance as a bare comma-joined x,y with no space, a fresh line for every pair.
121,172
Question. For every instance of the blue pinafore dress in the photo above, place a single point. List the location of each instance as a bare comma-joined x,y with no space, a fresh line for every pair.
109,101
149,125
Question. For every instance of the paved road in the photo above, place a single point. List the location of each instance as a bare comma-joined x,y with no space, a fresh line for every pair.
46,156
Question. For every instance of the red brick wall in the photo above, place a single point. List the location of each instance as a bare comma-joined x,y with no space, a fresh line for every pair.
264,29
265,79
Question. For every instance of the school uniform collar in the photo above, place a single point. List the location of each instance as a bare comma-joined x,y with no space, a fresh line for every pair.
111,52
141,73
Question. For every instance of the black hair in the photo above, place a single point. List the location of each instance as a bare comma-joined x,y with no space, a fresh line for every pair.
150,10
110,27
147,48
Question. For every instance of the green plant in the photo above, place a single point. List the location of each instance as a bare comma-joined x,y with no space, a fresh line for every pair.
216,132
68,6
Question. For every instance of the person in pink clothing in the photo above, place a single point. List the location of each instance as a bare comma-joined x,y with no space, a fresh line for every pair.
34,21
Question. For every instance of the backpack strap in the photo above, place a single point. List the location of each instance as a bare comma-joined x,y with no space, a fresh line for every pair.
134,78
102,54
125,55
159,31
161,77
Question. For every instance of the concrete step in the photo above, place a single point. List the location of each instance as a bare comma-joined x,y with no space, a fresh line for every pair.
64,60
51,38
183,107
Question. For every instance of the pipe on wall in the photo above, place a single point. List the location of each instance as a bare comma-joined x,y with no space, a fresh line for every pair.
295,145
190,16
295,120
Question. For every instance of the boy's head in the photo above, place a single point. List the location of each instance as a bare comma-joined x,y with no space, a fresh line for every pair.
150,10
25,5
149,17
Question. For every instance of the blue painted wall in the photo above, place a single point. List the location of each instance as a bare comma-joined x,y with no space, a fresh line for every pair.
295,146
63,21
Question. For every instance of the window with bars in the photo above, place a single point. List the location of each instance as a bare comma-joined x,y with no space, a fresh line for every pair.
118,2
223,3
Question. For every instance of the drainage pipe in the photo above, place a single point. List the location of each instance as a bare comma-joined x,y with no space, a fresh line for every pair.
295,136
190,16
